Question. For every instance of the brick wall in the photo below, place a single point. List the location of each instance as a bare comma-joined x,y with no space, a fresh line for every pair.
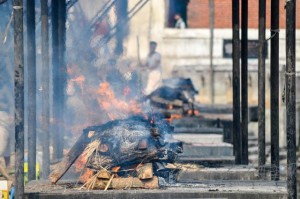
198,14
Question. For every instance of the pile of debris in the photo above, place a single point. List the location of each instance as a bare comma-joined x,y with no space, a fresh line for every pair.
129,153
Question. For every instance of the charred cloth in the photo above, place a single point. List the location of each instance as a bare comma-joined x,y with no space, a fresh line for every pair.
121,148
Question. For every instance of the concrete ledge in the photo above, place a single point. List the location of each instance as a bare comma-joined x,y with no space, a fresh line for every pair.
198,138
207,149
223,173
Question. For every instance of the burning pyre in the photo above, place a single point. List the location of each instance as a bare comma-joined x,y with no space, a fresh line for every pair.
176,98
129,151
122,154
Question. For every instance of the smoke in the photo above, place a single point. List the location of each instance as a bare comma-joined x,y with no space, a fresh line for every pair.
102,84
6,74
94,57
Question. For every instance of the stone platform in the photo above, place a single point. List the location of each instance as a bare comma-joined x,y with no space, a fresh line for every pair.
212,189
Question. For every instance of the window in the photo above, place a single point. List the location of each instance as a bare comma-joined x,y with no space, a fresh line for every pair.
176,7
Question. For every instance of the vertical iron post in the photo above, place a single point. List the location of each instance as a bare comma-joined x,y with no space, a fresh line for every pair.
290,80
61,74
19,97
236,81
298,121
45,87
261,85
55,73
31,65
244,55
275,89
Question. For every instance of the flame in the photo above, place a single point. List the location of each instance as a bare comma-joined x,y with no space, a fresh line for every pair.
178,116
88,173
190,112
80,163
80,166
116,108
174,116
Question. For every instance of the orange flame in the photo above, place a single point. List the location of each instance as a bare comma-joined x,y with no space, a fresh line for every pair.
80,166
174,116
115,108
80,163
88,173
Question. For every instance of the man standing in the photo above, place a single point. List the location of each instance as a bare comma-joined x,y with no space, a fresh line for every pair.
180,24
154,69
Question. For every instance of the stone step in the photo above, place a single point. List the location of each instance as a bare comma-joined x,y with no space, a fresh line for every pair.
252,143
209,161
202,130
207,150
223,173
198,138
251,133
252,138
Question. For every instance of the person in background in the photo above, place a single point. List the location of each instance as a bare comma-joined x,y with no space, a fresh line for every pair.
180,24
153,66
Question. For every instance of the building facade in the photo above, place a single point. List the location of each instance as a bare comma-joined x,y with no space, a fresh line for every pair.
186,52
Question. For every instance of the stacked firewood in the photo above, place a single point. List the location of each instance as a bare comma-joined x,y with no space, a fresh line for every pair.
137,176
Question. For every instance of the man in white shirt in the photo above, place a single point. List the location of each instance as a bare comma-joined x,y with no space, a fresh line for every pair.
180,24
153,65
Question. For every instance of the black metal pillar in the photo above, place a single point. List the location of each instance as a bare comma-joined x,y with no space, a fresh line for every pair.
19,98
290,80
244,55
261,85
236,82
45,87
275,89
62,73
298,121
56,83
31,64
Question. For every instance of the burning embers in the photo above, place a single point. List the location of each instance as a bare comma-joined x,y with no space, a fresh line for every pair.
121,154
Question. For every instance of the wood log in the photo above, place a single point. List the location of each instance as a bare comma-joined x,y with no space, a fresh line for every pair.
161,100
145,171
115,169
171,166
129,182
61,168
103,174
